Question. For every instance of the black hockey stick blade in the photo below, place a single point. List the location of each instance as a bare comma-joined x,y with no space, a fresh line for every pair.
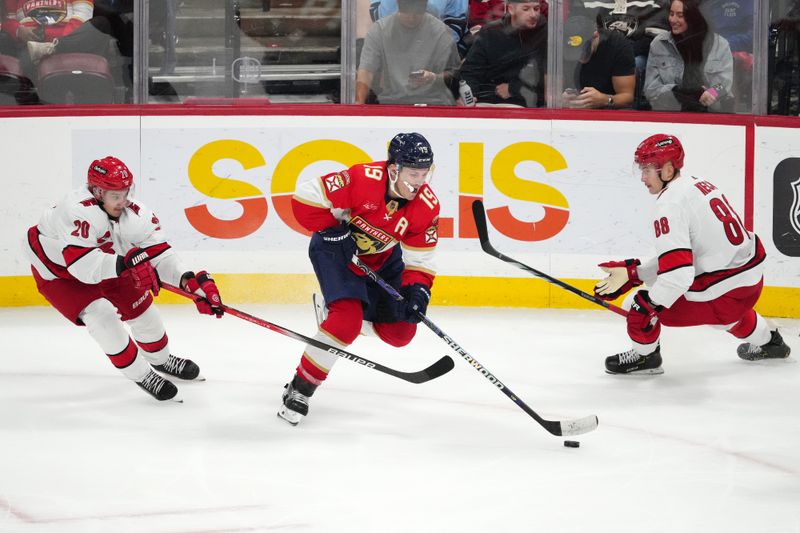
439,368
479,214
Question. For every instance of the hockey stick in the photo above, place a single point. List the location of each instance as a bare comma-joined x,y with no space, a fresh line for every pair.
483,234
556,427
440,367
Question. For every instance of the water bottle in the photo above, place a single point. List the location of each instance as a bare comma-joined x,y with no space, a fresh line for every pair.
466,94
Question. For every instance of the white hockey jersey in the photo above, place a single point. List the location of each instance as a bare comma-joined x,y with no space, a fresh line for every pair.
76,239
703,249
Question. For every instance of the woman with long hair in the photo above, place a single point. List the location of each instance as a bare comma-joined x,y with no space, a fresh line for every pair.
690,68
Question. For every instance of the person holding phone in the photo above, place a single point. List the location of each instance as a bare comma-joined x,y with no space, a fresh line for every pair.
601,63
408,58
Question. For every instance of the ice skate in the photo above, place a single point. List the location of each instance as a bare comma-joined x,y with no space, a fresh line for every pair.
774,349
320,309
632,362
39,51
180,368
295,400
159,388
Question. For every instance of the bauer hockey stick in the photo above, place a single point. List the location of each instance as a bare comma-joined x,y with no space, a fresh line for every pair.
440,367
483,234
556,427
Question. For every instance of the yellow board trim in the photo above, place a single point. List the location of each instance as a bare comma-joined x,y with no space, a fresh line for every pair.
464,291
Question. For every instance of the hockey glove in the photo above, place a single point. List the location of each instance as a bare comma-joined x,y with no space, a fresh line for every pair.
136,266
339,241
643,318
208,300
622,277
416,297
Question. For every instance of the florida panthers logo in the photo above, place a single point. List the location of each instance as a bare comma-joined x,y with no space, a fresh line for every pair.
45,12
369,239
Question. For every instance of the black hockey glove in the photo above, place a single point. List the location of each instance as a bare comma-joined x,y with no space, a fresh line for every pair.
416,297
339,241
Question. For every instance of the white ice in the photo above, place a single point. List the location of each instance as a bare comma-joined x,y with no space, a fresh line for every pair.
712,445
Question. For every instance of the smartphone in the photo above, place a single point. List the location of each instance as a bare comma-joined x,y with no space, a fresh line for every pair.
417,74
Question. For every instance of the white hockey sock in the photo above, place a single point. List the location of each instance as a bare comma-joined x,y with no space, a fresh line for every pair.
105,327
149,332
322,358
368,329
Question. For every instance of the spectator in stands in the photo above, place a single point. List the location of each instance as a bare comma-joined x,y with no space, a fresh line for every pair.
408,58
44,28
507,62
733,20
640,22
452,12
482,12
690,68
7,44
783,74
599,66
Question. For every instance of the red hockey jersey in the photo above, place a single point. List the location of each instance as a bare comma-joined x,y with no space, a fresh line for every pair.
57,17
378,222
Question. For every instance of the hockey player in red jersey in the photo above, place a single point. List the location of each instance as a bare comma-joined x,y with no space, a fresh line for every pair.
707,270
386,213
96,256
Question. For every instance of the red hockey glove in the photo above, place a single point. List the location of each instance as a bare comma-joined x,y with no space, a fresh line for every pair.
622,277
417,297
643,324
208,300
339,241
136,266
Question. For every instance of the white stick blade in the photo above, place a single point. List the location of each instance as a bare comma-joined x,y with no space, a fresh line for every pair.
579,426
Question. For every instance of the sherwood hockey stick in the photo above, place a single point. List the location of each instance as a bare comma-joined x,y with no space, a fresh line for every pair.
556,427
483,234
440,367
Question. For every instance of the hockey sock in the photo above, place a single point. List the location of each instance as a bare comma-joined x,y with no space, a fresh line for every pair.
103,324
149,332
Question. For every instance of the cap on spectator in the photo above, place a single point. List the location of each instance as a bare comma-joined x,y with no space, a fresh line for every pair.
412,6
523,1
578,34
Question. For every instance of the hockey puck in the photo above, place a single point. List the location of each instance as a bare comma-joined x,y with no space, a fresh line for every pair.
572,444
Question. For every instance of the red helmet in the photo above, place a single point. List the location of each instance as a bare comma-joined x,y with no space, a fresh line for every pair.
658,149
109,174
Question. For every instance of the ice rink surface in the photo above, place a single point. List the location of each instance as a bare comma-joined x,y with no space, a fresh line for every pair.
712,445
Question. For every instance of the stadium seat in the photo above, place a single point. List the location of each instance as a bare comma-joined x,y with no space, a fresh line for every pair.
15,87
75,79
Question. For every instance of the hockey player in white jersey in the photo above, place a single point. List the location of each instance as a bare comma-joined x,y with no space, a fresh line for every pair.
707,271
96,256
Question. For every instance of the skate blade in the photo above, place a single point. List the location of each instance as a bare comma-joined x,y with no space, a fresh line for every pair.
289,416
645,372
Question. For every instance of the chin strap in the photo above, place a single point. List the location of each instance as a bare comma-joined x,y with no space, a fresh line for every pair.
393,181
